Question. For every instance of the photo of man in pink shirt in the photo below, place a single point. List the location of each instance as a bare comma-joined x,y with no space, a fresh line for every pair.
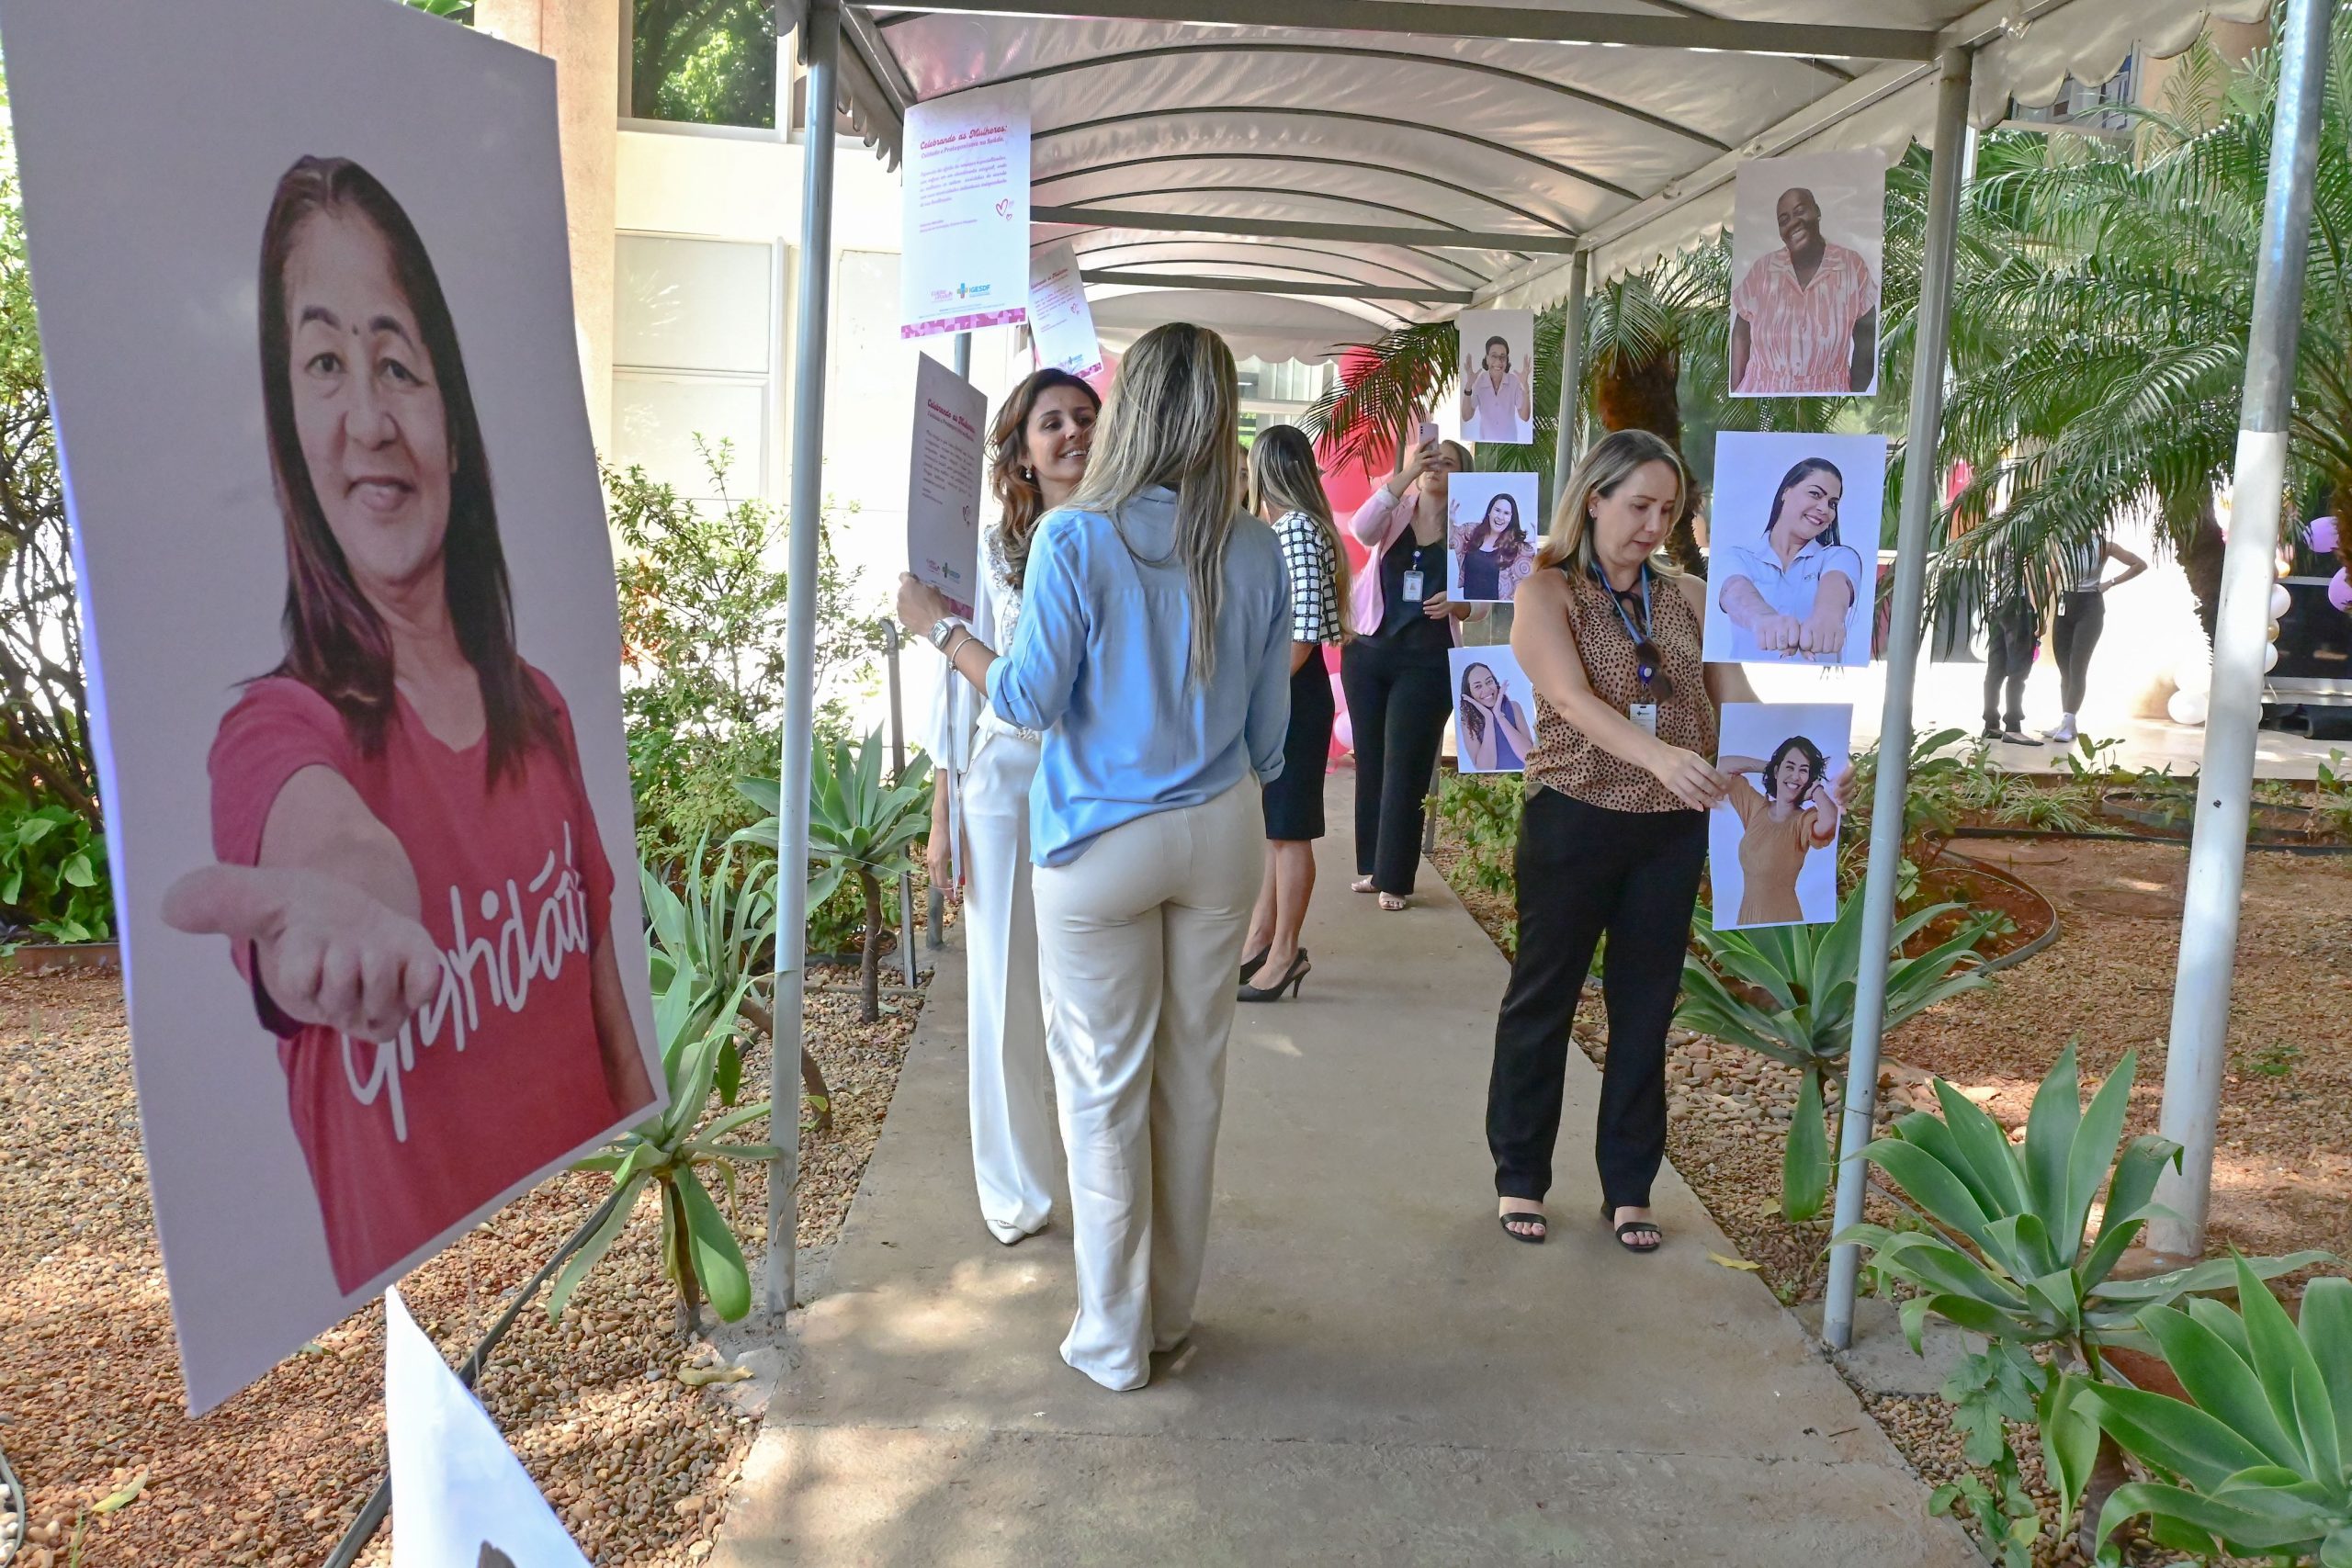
1805,313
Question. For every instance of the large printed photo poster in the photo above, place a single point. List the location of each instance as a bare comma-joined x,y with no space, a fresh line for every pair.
349,593
1808,241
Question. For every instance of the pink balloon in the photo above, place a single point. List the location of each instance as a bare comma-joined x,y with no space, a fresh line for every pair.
2319,535
1343,733
2339,591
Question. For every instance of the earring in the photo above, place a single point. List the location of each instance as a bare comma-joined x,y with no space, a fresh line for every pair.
1028,473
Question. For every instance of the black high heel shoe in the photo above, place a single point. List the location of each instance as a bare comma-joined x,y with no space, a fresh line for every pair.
1290,981
1252,966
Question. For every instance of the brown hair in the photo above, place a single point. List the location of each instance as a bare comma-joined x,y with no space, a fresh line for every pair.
1020,500
336,643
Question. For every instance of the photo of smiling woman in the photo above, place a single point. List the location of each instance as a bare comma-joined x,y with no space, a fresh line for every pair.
410,876
1491,552
1773,837
1791,590
1492,701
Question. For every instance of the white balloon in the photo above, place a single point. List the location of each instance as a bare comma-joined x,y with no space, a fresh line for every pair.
2271,657
2280,600
2186,708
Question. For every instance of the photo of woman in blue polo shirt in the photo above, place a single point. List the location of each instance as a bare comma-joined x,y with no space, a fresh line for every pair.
1795,593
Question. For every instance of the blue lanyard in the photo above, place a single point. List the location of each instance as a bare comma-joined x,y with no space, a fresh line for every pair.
1639,635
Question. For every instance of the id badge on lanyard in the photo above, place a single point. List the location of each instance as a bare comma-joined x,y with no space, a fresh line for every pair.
1413,586
1644,716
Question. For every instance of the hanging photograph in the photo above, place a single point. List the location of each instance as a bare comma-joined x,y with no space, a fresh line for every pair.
1493,710
1784,586
964,212
346,574
1807,237
1498,378
1491,531
1772,842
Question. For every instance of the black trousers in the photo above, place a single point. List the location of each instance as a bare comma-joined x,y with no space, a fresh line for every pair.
2009,636
1398,705
2082,615
1584,870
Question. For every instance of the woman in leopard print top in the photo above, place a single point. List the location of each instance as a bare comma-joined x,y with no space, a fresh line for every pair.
1615,834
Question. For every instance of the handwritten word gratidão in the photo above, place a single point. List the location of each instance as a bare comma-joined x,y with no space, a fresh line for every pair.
500,967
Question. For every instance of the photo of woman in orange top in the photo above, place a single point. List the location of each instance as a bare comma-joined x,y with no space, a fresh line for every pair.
411,879
1795,813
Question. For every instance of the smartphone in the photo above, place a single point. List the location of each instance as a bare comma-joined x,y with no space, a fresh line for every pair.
1429,431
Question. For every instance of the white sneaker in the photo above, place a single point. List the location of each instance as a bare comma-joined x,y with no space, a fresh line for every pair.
2062,736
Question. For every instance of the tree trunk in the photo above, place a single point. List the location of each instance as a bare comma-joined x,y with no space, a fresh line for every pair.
1647,396
2202,561
813,1076
2107,1474
870,964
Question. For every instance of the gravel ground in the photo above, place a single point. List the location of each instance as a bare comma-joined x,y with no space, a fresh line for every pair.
638,1463
2283,1178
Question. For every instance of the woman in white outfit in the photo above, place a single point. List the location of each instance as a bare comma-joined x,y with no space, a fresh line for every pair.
980,818
1497,401
1153,656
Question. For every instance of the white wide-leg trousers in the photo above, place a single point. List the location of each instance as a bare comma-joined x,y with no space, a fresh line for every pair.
1142,938
1012,1128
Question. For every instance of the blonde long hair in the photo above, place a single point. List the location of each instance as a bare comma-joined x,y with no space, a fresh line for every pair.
1284,477
1172,420
1613,459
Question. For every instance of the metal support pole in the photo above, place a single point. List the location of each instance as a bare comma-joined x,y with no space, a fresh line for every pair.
824,24
1567,444
2199,1047
1919,471
890,644
964,355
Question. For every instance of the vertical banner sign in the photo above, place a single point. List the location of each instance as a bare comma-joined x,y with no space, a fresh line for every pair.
965,195
1060,324
944,483
349,594
460,1498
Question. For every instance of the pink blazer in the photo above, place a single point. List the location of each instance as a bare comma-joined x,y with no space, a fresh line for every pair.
1378,523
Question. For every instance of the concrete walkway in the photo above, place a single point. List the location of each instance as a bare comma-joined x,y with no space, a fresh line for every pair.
1378,1375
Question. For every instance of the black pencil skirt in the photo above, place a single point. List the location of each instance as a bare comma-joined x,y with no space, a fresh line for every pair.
1294,801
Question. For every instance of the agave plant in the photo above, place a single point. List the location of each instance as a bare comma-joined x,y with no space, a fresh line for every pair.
857,827
1788,992
2255,1467
708,943
699,1252
2009,1253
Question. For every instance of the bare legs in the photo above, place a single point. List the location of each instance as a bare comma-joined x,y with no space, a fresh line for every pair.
1282,898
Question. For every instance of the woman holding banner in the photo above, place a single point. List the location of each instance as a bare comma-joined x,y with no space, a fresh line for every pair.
979,819
1153,656
412,880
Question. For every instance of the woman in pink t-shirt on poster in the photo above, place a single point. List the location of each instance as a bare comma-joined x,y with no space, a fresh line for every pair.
411,877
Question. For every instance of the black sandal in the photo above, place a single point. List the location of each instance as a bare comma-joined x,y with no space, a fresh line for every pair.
1633,1228
1525,1217
1252,966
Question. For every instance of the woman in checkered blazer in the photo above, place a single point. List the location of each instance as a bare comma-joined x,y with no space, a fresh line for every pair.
1287,489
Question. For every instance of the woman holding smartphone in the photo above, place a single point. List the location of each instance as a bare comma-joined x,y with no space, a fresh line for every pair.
1615,827
1394,672
980,816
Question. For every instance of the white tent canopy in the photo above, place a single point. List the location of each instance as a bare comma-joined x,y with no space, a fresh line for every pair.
1361,163
1411,158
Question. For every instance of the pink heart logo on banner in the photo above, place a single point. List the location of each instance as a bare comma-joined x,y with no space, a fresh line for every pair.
1004,208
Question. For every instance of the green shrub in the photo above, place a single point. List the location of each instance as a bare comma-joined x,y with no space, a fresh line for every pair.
53,880
703,652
